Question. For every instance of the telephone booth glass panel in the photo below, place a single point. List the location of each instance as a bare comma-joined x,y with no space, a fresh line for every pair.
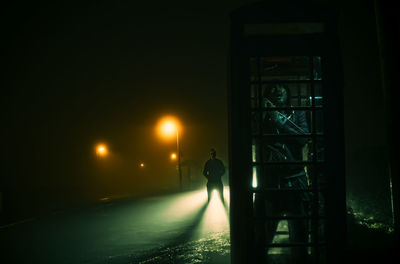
286,100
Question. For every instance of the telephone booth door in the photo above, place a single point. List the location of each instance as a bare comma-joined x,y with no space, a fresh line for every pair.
286,136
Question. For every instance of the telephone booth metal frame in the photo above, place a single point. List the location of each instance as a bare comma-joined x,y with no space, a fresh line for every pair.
282,30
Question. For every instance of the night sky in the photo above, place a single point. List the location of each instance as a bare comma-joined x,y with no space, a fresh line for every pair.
104,71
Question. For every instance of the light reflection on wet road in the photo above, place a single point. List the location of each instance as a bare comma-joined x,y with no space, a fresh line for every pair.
176,228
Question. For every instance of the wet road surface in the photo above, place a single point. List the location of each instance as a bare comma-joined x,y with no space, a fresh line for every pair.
175,228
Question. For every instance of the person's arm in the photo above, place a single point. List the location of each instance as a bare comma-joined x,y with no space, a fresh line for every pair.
205,170
294,124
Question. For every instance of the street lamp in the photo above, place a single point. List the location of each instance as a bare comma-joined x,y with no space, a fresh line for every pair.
173,156
101,150
168,127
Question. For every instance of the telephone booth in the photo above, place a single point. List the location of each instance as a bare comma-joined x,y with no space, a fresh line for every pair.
285,135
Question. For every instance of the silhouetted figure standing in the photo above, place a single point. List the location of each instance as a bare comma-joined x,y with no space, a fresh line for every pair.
213,170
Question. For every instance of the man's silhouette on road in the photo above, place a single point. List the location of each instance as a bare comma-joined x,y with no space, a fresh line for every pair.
213,170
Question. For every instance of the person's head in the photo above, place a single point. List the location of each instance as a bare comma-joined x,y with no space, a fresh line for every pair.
213,153
278,94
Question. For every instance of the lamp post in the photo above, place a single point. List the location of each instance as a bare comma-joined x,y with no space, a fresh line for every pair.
168,126
179,157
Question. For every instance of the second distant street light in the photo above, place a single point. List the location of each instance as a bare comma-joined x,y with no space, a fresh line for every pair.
168,126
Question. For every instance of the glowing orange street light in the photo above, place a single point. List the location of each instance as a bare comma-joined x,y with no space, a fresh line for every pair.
168,127
101,150
173,156
141,165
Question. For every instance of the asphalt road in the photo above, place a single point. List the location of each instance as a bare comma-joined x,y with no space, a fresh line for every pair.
175,228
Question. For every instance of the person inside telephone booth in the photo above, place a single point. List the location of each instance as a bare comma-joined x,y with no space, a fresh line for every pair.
279,120
282,122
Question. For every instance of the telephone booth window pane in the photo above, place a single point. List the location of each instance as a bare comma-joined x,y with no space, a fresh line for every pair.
318,122
319,231
320,149
288,150
316,177
313,206
290,123
318,97
315,150
287,177
298,94
255,123
285,199
317,72
285,68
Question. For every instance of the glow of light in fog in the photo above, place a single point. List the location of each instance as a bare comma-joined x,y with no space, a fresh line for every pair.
161,218
215,218
173,156
183,207
141,165
170,216
101,150
168,127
